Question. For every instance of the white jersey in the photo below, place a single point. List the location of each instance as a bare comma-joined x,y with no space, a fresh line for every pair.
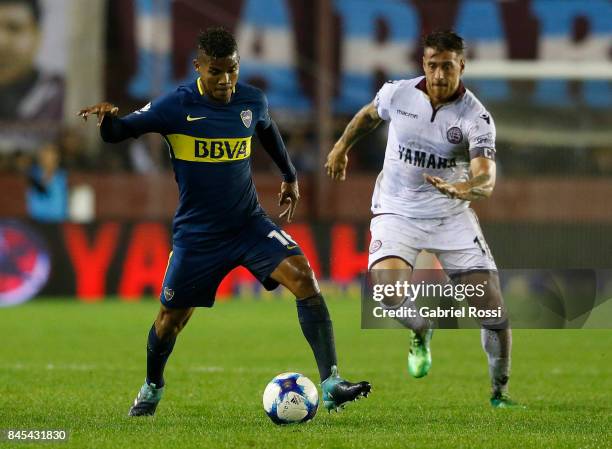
422,140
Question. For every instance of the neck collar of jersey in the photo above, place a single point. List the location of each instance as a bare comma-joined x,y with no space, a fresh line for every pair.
205,98
422,86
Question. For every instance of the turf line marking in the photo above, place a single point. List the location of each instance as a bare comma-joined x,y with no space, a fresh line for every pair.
206,369
50,366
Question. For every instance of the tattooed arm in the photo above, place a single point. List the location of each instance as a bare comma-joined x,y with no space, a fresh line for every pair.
480,185
365,121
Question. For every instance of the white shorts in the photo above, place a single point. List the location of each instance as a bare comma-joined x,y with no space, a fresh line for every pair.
457,241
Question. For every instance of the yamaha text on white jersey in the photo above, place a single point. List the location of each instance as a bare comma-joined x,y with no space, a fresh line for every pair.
439,142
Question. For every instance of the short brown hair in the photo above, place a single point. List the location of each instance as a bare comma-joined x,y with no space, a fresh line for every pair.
446,40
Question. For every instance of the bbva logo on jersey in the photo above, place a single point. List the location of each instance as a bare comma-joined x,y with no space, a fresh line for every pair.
226,150
193,149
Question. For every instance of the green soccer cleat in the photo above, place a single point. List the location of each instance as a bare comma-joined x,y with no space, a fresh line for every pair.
419,356
337,391
502,400
146,401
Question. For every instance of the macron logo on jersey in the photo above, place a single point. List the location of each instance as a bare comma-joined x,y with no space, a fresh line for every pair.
424,159
407,114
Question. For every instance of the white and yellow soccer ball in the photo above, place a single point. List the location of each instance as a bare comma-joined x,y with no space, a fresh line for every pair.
290,398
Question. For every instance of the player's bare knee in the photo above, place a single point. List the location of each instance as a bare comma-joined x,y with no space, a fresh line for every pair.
186,318
304,281
296,274
491,302
169,323
390,271
165,328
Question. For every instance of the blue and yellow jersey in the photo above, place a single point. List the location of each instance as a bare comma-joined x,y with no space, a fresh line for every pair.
210,146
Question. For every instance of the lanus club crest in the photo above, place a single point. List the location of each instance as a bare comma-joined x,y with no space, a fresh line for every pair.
247,118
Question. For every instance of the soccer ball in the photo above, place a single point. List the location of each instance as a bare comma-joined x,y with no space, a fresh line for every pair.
290,398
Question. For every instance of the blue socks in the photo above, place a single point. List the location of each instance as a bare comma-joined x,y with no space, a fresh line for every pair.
317,328
158,352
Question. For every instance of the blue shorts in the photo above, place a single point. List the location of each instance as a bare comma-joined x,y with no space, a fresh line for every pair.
193,275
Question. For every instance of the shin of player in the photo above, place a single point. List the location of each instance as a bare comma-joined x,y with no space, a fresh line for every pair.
388,271
296,274
495,333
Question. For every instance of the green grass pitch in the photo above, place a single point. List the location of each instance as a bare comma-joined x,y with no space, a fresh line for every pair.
68,365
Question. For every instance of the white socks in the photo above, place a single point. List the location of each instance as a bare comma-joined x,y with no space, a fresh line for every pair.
497,345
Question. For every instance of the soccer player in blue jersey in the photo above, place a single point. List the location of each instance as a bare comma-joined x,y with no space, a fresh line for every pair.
219,224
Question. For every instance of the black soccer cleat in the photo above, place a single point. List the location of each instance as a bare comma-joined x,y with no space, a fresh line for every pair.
337,391
146,401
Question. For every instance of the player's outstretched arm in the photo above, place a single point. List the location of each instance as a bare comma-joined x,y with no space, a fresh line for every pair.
111,131
115,129
364,122
479,186
101,110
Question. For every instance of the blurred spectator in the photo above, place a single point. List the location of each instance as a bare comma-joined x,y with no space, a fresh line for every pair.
47,196
5,163
602,161
72,150
148,154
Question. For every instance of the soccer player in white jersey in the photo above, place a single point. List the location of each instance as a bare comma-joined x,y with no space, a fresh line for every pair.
440,155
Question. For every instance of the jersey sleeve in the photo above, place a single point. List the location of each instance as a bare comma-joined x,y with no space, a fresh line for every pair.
263,120
149,119
383,98
481,135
